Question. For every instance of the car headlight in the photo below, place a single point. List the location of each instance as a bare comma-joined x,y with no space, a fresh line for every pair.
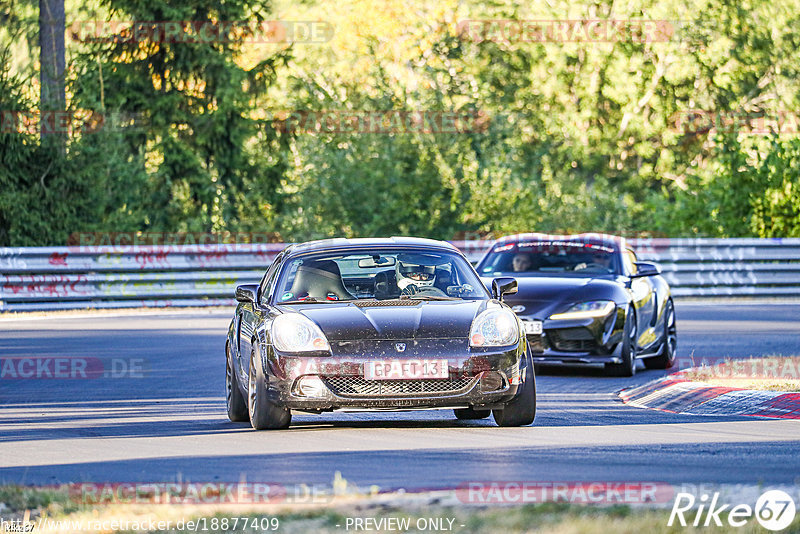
293,332
494,328
587,310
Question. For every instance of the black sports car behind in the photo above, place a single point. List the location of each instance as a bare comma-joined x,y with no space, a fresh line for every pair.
376,324
587,299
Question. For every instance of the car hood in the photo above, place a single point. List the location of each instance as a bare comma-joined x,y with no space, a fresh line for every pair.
540,296
422,320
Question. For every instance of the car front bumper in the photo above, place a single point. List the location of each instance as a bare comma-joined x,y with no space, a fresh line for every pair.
476,378
579,341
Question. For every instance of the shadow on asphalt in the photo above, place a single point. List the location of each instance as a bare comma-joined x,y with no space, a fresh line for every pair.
104,420
708,462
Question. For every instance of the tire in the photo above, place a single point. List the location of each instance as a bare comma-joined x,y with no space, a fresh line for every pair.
666,357
471,413
521,410
234,400
628,350
264,414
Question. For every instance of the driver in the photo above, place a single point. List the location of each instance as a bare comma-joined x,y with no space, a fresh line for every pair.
521,262
411,277
603,261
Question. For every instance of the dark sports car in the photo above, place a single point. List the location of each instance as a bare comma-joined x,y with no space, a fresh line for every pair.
376,324
587,299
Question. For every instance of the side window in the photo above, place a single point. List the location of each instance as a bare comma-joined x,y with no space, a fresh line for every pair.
269,279
629,260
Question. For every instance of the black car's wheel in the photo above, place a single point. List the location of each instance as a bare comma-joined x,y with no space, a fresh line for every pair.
471,413
628,350
237,407
264,414
521,410
666,357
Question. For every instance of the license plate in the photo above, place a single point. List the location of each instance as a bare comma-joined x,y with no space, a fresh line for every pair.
533,327
405,369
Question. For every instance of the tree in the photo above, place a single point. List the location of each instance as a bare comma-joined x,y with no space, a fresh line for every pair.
52,23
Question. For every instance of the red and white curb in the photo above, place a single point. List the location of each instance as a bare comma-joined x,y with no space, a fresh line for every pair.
676,394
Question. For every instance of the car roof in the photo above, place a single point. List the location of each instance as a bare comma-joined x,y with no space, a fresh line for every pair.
325,245
612,241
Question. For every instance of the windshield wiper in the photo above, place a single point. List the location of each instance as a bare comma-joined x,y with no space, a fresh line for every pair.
426,297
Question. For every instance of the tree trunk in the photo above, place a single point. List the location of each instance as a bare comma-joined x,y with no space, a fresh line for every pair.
52,104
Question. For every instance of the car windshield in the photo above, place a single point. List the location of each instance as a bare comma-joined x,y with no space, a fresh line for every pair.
549,257
378,274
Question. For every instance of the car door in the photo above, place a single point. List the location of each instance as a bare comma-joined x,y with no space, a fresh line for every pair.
644,300
251,316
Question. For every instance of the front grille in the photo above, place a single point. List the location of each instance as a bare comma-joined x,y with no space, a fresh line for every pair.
356,386
537,343
572,340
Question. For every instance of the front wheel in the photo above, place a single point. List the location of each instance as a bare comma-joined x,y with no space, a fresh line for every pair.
628,351
521,410
666,357
264,414
234,400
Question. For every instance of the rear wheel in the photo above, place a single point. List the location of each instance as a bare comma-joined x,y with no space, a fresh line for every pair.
237,407
628,350
521,410
471,413
666,357
264,414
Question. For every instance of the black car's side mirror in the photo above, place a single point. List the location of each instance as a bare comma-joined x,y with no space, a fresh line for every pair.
503,286
646,268
247,293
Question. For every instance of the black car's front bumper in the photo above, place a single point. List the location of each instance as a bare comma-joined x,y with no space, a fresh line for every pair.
579,341
476,378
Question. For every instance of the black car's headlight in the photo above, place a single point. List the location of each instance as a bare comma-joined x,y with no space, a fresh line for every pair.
293,332
587,310
494,328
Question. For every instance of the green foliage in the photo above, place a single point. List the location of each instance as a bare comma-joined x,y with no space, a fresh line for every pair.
576,136
196,101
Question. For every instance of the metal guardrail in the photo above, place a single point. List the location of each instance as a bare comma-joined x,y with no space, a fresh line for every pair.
44,278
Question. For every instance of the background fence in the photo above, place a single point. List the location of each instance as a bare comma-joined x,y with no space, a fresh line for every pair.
44,278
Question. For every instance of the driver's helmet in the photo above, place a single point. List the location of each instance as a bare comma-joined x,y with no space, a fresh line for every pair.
411,270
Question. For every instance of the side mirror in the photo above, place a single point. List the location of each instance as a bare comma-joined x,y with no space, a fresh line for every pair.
646,268
503,286
247,293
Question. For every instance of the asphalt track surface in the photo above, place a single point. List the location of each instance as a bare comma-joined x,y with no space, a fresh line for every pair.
171,424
